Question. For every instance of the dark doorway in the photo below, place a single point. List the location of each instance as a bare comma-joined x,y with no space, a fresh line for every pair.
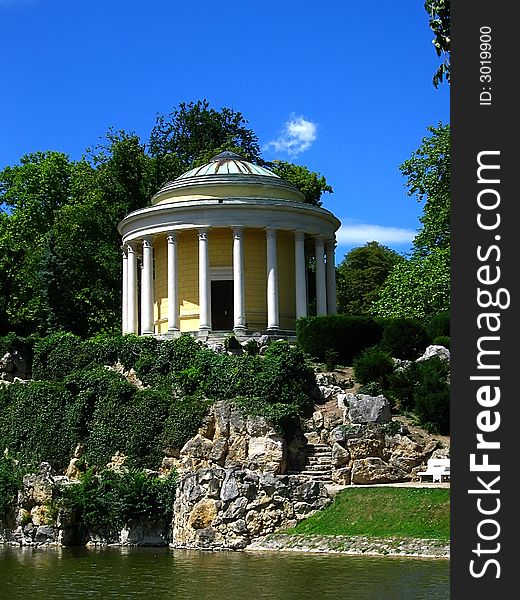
222,305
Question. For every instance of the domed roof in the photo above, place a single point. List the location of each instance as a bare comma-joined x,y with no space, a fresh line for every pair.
225,173
227,163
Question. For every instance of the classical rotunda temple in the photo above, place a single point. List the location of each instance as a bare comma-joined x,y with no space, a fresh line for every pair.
224,248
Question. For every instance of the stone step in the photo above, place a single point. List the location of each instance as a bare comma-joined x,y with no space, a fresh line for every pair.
327,468
327,462
312,477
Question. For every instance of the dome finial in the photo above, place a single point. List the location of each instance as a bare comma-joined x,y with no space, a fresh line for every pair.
226,155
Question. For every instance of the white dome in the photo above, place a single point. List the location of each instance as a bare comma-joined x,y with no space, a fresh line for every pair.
227,163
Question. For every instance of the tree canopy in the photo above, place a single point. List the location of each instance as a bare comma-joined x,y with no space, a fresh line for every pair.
420,286
361,275
428,178
439,13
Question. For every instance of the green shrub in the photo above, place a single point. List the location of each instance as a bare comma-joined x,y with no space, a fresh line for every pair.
372,388
373,365
150,410
252,348
58,355
439,325
404,338
432,395
34,422
402,384
106,502
106,402
442,340
231,343
184,419
346,335
10,483
331,359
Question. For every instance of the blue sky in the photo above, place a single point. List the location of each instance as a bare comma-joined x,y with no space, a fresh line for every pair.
341,87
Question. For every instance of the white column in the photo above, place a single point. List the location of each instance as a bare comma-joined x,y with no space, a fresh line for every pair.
331,277
273,317
173,282
124,295
147,325
321,289
131,307
204,282
300,277
239,309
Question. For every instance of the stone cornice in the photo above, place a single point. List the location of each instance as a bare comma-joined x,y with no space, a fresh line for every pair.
229,212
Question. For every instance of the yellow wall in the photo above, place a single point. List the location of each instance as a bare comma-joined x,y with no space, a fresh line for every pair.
160,284
286,279
220,248
255,278
188,260
221,255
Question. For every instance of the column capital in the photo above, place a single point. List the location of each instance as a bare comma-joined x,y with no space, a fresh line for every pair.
130,246
238,232
330,243
147,241
299,236
270,233
319,240
202,232
171,237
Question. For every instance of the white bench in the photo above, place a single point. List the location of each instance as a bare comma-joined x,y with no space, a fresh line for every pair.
437,468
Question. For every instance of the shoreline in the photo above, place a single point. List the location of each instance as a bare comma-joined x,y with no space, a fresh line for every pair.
352,545
304,544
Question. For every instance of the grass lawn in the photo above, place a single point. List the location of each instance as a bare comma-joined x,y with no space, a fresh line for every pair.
383,512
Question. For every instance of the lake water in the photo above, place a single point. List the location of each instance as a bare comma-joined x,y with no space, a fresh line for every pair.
159,573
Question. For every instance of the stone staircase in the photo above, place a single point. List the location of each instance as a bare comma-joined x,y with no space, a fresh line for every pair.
319,464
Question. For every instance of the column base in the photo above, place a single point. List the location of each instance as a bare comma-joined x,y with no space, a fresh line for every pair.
240,330
273,329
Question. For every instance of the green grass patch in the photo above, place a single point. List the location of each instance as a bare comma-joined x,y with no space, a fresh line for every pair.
383,512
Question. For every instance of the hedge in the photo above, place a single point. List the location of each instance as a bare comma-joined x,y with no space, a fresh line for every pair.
344,334
404,338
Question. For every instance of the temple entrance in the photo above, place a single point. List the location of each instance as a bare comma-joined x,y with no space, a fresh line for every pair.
222,305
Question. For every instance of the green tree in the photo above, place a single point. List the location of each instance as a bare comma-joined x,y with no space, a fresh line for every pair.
439,13
311,184
418,287
361,275
428,178
32,193
193,130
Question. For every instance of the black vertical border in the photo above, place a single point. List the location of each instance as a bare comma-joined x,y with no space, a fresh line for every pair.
477,128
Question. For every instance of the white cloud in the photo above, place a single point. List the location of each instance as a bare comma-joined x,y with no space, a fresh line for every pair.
361,233
297,135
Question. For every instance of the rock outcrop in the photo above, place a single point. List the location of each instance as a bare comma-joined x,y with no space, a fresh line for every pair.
219,508
228,439
13,367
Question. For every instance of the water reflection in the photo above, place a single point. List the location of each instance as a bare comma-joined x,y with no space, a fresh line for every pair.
158,573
